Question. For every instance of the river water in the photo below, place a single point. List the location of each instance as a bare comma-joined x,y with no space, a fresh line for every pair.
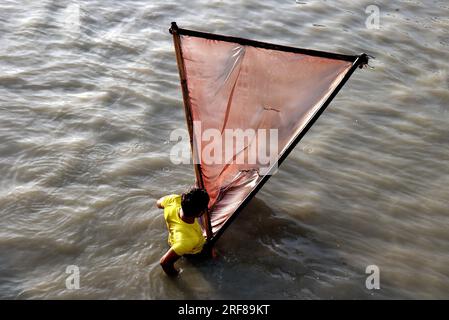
89,94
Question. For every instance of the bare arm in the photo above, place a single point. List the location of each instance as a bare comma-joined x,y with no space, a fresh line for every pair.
168,262
159,203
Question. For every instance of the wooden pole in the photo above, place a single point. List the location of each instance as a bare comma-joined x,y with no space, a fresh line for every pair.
266,45
189,120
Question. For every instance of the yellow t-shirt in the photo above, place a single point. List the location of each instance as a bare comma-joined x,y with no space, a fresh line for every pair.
184,238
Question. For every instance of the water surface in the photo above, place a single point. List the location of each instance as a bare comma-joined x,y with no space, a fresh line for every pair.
89,94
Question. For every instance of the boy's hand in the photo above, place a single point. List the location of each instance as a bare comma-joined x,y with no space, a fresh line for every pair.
159,203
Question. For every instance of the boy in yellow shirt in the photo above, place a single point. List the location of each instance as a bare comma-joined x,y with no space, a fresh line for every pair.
185,234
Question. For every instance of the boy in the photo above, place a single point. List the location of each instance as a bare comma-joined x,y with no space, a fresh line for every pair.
185,234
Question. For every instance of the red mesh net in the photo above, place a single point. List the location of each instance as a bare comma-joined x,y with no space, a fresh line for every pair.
234,86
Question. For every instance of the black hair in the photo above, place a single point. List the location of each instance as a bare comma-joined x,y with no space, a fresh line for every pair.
194,202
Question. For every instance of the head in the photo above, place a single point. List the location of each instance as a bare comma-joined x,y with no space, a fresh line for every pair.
194,202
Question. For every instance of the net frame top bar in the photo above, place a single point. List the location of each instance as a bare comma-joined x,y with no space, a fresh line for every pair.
264,45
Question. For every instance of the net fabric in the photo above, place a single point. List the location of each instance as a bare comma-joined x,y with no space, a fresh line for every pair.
234,86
